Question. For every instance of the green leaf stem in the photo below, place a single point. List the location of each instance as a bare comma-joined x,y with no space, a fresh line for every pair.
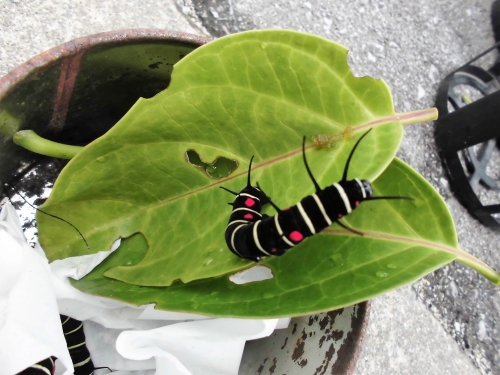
33,142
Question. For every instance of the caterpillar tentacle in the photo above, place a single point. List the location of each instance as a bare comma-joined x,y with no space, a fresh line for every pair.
229,191
316,185
46,213
344,176
349,228
390,197
252,235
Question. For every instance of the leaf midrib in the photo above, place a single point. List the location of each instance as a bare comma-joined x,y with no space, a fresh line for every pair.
411,244
380,121
393,237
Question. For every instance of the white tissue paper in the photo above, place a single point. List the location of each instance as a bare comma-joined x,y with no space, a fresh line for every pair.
119,336
30,328
109,313
208,347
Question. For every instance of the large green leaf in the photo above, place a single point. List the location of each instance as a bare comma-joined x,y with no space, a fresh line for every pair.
255,93
332,269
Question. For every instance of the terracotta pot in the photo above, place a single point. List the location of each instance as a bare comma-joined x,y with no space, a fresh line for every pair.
74,93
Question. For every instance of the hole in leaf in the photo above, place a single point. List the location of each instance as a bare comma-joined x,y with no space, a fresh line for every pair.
257,273
219,168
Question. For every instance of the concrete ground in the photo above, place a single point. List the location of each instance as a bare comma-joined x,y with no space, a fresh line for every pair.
446,323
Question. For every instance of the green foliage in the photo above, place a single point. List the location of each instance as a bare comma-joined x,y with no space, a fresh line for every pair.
33,142
333,269
254,93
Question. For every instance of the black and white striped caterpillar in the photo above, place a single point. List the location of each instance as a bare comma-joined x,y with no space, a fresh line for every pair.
75,340
45,367
252,235
80,355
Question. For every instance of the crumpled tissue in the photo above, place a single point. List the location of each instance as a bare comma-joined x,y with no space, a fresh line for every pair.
30,328
121,336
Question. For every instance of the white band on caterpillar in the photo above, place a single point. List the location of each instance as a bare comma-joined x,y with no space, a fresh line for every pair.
344,197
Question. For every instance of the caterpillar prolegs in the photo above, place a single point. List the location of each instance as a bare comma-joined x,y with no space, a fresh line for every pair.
252,235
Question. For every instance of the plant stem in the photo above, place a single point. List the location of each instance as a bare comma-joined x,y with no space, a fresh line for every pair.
33,142
406,118
421,115
481,267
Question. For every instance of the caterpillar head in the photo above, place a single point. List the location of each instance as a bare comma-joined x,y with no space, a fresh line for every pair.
366,187
357,190
257,192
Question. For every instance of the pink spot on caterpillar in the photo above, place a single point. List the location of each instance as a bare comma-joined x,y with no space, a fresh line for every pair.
341,216
249,202
248,216
357,203
296,236
273,250
286,208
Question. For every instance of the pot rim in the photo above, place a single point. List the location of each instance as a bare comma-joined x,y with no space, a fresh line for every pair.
74,46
